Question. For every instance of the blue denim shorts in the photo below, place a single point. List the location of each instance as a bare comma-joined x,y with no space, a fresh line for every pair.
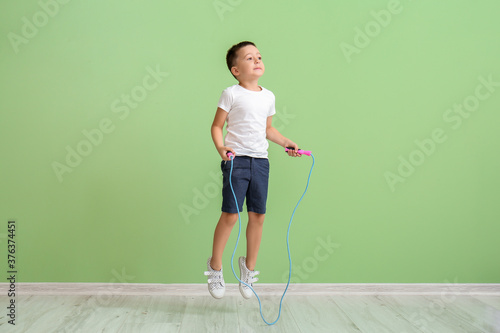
250,180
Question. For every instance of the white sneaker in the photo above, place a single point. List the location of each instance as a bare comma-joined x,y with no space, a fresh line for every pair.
248,277
216,285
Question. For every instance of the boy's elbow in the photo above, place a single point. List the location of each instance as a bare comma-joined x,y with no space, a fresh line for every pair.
216,130
270,133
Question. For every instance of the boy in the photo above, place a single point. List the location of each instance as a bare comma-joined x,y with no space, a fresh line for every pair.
248,109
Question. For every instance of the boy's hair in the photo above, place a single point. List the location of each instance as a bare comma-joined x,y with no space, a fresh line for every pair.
231,54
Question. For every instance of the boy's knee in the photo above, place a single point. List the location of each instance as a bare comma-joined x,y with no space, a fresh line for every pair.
230,218
256,217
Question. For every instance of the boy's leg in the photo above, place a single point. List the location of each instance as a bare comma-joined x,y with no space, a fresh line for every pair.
221,235
254,236
256,207
240,180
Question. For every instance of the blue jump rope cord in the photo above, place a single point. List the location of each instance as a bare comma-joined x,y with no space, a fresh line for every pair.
287,243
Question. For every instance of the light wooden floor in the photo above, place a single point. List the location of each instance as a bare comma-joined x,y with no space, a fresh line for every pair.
342,312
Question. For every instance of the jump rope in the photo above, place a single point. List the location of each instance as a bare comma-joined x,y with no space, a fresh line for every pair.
231,157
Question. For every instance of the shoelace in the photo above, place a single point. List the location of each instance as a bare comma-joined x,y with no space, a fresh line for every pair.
215,280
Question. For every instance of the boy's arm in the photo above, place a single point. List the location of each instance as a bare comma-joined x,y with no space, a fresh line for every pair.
217,126
275,136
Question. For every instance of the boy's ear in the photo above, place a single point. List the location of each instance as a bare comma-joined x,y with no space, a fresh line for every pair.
235,71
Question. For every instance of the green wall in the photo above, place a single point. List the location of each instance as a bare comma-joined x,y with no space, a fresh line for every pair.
108,167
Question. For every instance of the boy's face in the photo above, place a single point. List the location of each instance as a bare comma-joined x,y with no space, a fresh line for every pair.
249,64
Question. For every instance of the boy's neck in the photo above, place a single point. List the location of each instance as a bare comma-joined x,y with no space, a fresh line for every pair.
250,85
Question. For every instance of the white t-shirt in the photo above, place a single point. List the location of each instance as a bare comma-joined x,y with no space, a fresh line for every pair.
247,119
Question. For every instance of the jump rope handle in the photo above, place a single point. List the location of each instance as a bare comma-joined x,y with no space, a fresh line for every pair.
300,151
230,155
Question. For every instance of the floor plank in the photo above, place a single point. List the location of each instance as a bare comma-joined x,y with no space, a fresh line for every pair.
370,313
207,314
438,314
250,319
300,313
493,301
97,313
155,314
475,313
320,314
42,313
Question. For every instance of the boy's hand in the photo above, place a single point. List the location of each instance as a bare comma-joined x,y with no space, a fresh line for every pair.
292,152
223,153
